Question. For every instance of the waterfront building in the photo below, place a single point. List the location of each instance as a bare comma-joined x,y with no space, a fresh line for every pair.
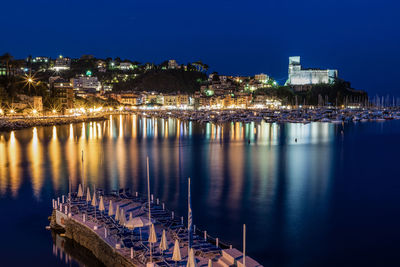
64,91
37,103
170,100
216,102
31,102
228,101
302,79
182,100
129,99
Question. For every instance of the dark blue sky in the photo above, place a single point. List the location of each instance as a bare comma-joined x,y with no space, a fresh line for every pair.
360,38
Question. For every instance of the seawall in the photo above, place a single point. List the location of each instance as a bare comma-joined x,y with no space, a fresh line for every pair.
10,124
87,238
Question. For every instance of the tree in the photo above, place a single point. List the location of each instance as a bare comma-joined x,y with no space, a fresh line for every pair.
7,60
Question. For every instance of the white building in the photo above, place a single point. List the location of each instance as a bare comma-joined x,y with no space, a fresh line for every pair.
126,66
302,78
86,85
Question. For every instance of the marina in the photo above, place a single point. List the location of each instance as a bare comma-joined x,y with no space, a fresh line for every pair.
299,115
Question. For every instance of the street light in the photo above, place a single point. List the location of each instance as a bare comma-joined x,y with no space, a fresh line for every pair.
54,111
34,111
12,111
1,111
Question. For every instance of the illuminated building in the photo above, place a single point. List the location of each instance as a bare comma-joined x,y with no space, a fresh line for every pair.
64,91
262,78
86,85
126,66
40,63
62,63
172,64
182,100
3,70
170,100
302,79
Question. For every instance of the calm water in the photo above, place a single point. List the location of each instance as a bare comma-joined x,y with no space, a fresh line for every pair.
329,199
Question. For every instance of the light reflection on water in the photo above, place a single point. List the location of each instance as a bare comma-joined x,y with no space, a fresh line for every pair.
239,170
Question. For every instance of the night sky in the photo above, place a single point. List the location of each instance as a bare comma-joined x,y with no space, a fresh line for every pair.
360,38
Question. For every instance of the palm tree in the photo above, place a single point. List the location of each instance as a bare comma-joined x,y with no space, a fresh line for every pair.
7,59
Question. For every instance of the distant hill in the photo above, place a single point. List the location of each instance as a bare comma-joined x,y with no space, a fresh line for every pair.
164,81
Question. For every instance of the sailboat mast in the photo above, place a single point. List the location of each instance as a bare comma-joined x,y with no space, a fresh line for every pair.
244,245
148,198
83,178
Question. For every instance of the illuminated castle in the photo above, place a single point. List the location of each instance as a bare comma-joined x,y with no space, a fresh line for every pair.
302,79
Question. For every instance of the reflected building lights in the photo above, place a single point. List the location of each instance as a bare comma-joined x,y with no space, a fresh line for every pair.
13,154
109,162
3,164
54,152
35,159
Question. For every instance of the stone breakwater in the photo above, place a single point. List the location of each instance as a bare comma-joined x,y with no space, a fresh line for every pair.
10,124
87,238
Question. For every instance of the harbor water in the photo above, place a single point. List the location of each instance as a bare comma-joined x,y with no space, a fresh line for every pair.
316,194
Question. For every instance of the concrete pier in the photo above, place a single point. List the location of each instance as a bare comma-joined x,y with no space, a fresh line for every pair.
114,244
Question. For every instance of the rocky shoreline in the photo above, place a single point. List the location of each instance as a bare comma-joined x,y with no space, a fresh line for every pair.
10,124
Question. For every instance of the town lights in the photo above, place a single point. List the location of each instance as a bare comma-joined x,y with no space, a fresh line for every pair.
34,111
54,111
12,111
120,108
1,111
